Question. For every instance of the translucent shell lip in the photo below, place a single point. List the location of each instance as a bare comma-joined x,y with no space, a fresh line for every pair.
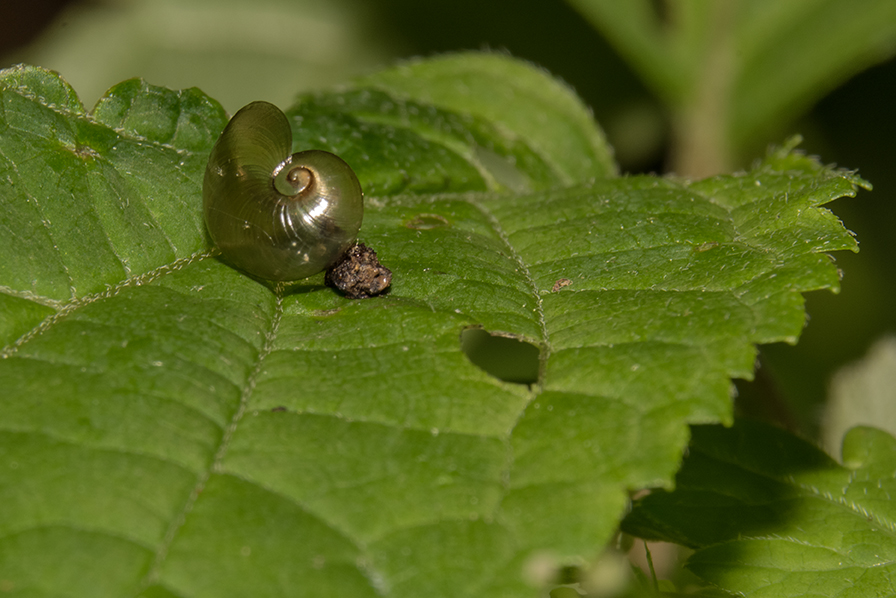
274,215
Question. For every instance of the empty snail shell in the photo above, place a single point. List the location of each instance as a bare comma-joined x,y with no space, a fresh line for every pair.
275,215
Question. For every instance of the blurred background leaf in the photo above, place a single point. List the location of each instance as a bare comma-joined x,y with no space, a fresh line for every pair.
862,393
233,50
732,74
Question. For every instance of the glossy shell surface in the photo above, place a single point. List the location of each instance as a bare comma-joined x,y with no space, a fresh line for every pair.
276,215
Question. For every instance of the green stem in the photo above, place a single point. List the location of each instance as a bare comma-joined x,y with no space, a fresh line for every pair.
701,144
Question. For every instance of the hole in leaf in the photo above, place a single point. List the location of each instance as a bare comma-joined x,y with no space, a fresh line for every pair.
427,222
507,359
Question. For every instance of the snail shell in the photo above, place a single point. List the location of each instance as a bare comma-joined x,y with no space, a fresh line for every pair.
275,215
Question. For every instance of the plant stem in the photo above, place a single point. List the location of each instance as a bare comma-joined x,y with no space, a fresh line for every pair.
701,144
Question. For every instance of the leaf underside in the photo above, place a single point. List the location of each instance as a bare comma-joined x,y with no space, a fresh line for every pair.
172,427
771,515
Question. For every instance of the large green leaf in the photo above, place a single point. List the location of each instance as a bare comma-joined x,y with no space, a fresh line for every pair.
170,426
772,515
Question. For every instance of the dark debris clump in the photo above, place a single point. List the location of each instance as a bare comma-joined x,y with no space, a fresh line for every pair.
359,274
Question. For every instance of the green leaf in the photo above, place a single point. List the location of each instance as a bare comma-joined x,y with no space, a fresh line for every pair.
771,515
437,125
529,106
199,433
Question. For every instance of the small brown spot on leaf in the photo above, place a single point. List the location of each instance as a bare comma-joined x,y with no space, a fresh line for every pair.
562,282
85,152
